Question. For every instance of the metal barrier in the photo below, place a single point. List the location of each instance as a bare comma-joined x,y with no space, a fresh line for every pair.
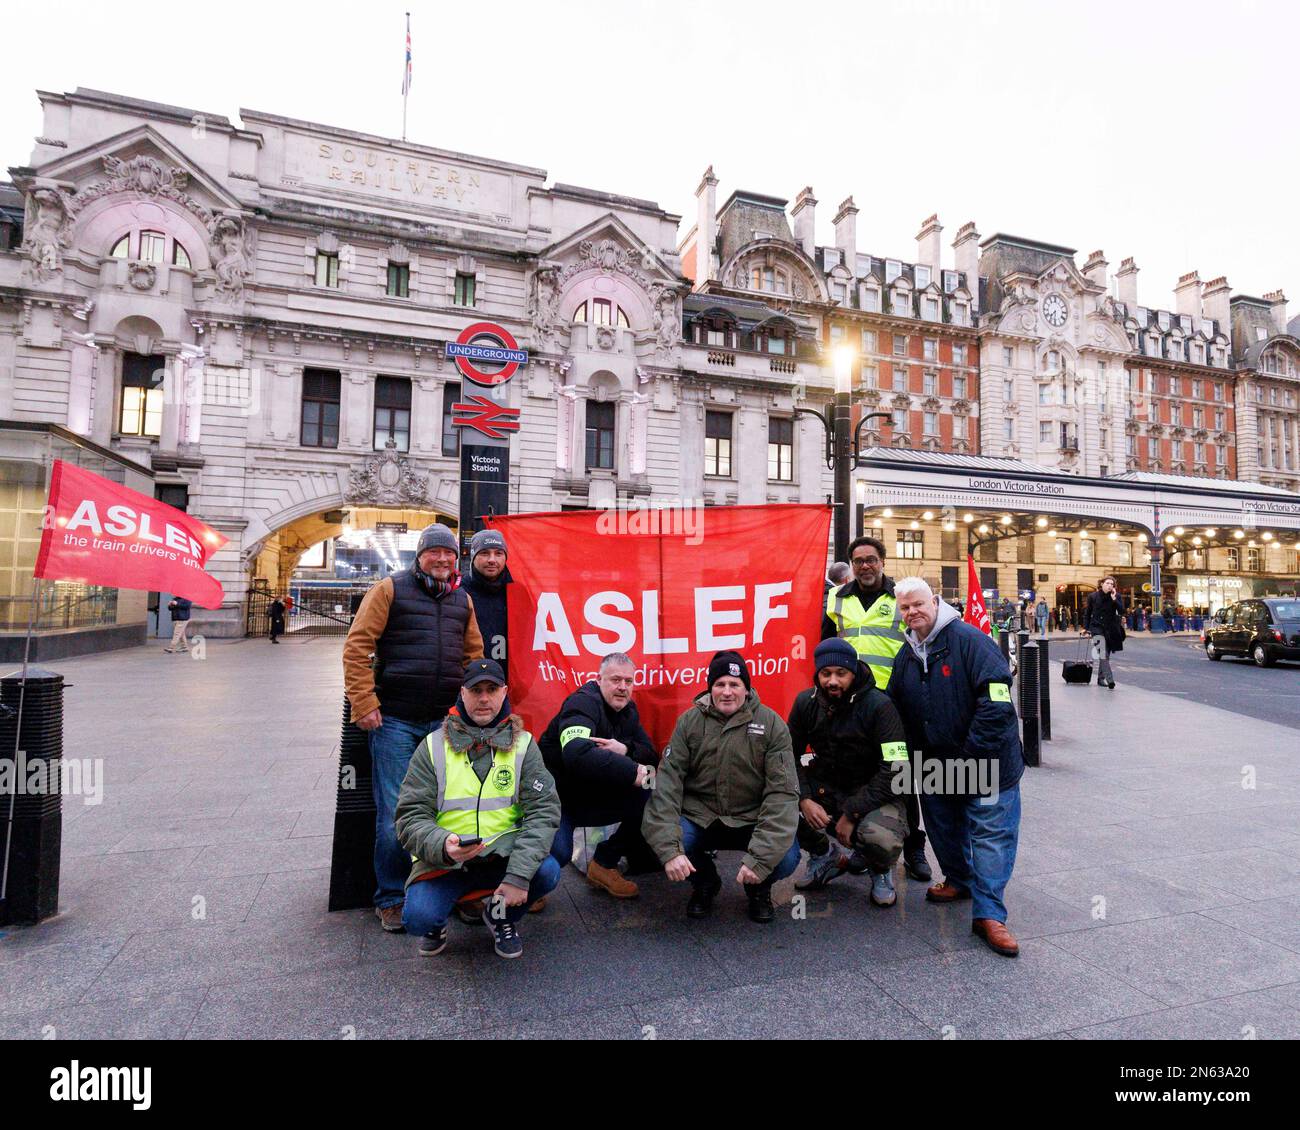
316,611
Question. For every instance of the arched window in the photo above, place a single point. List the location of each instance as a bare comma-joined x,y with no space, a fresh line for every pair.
603,312
151,246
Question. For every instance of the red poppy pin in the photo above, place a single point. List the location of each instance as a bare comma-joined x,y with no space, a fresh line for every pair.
947,671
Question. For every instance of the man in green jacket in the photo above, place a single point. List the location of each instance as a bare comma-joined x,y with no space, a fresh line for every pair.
477,811
726,781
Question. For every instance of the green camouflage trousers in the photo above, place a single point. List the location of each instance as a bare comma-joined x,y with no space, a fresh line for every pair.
878,836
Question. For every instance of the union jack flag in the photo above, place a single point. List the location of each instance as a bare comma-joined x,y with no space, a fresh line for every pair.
406,74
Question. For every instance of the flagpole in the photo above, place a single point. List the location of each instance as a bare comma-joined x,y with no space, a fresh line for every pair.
406,74
18,730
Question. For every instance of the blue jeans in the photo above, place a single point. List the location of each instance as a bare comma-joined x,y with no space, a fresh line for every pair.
625,841
697,842
391,747
429,902
976,845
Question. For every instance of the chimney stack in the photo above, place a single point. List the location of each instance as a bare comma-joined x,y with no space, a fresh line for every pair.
805,216
1127,277
846,234
1277,300
966,249
1215,304
1187,295
927,244
1094,270
705,227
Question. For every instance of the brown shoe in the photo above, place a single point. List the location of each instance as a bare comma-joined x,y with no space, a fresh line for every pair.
996,936
946,892
538,906
471,913
390,917
611,879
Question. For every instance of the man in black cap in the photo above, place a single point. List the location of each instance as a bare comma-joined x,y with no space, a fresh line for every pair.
852,780
403,662
486,585
477,812
604,764
726,781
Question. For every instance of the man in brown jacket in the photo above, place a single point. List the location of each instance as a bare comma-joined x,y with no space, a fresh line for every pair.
403,664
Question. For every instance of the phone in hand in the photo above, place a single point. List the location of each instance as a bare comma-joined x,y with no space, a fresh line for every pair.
468,841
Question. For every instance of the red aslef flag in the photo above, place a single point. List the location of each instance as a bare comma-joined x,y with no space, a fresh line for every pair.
99,533
669,588
976,613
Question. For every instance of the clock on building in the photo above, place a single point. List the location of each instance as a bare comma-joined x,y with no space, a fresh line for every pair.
1054,310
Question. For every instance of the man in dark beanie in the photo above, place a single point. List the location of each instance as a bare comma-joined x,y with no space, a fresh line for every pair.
486,585
403,662
726,782
851,753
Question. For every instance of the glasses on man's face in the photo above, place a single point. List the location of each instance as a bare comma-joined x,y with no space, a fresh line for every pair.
859,561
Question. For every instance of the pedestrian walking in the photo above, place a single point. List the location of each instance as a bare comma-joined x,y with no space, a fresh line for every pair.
179,607
276,613
1041,614
1104,622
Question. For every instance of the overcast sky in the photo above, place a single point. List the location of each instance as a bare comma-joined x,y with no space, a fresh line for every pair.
1165,131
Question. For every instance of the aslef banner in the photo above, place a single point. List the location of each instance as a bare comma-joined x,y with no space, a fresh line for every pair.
669,587
99,533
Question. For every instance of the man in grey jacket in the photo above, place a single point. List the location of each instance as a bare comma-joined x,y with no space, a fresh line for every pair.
477,811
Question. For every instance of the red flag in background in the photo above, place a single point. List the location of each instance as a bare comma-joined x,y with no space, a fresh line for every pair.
976,613
670,588
99,533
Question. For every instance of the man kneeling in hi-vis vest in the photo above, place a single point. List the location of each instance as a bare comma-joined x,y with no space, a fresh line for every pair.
865,614
477,812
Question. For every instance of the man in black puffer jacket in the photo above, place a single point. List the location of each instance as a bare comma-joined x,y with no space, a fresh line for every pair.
604,764
854,784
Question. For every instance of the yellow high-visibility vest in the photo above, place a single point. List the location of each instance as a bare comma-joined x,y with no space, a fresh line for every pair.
876,634
470,807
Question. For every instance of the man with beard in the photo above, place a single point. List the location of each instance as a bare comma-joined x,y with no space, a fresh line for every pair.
486,584
848,787
403,663
864,613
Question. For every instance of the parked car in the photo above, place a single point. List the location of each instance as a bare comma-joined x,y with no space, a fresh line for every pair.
1264,630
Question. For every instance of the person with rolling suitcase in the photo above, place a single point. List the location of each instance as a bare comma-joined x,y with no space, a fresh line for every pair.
1103,620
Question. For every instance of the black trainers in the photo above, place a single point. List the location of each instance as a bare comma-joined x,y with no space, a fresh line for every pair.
857,863
702,896
760,902
916,865
505,938
433,944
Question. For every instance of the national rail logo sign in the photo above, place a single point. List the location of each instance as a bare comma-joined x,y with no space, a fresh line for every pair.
482,346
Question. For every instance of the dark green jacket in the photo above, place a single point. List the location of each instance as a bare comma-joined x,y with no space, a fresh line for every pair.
419,832
737,769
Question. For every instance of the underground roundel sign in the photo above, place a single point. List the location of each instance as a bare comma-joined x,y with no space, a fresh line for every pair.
487,354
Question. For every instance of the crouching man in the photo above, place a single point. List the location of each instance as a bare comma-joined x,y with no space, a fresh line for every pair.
853,787
477,811
726,782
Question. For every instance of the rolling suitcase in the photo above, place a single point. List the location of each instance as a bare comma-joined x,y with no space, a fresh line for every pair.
1079,669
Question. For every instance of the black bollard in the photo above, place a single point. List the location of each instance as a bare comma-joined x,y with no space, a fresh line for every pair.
352,862
34,835
1029,700
1045,692
1004,642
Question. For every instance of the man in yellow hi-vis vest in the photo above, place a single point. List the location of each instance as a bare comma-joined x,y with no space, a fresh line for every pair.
477,811
865,615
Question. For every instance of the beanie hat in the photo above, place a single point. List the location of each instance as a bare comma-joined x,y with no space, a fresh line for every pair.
486,539
437,536
835,652
728,663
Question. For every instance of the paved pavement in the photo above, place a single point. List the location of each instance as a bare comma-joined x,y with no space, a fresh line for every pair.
1154,895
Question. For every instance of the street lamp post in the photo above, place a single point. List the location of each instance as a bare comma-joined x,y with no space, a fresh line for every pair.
843,445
